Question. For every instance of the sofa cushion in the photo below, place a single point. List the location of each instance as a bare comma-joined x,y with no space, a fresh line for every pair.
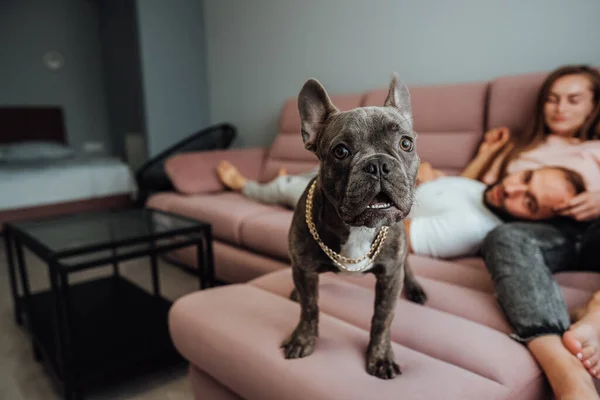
448,118
206,387
268,233
161,201
251,323
475,262
224,211
589,281
233,264
451,272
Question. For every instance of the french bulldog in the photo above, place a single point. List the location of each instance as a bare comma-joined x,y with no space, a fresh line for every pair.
366,182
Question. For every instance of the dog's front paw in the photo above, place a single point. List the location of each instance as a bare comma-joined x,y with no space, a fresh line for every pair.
383,367
299,345
416,294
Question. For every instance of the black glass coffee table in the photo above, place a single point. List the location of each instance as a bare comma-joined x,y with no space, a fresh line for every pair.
108,329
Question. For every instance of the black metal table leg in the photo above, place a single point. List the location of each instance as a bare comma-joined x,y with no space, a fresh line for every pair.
67,330
59,335
201,263
154,265
12,274
209,263
24,282
115,263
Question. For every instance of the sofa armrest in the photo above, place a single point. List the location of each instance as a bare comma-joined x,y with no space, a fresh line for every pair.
195,172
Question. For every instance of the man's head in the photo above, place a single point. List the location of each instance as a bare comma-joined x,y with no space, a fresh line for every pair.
533,194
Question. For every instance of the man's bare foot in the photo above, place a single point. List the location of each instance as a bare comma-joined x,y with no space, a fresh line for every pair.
281,172
230,176
583,337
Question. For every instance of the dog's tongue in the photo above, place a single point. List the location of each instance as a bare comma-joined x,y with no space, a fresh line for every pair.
381,198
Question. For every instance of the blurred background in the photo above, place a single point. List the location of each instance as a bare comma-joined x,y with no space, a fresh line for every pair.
138,76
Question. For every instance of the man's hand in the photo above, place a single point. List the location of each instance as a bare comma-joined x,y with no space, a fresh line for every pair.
583,207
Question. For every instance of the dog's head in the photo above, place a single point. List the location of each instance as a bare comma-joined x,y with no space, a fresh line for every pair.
368,158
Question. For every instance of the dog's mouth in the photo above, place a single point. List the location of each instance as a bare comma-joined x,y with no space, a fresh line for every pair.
381,202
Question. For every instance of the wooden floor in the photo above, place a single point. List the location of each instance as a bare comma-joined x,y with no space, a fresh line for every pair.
22,378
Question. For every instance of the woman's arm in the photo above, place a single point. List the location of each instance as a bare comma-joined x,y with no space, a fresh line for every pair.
583,207
492,151
476,165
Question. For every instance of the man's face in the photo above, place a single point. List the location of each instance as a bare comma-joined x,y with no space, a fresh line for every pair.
530,195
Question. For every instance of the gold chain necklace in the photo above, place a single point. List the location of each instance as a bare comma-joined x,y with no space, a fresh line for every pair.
338,259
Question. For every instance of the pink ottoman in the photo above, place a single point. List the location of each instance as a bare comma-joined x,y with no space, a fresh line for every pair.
455,347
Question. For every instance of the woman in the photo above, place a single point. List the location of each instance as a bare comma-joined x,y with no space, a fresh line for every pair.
521,256
567,115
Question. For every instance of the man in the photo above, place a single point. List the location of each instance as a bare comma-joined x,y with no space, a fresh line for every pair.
451,216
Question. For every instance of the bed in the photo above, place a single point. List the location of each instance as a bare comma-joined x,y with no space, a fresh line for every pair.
48,186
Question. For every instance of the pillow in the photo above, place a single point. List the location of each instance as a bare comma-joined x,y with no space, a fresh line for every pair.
194,172
35,151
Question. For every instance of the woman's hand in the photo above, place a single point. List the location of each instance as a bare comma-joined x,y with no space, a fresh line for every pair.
494,140
583,207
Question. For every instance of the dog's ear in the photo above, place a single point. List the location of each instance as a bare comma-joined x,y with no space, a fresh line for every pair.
315,107
399,98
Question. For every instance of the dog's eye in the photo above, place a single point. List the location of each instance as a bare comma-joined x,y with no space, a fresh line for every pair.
406,144
340,152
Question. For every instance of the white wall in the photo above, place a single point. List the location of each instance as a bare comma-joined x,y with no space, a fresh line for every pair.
122,70
260,52
171,36
30,28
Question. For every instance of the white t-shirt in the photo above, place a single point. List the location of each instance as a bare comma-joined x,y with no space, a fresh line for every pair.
449,218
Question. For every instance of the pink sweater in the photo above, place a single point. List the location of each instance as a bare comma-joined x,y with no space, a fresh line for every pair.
582,157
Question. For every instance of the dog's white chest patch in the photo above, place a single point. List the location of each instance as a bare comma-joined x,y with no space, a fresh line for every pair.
358,244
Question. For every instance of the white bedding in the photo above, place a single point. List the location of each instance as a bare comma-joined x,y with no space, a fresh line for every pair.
79,178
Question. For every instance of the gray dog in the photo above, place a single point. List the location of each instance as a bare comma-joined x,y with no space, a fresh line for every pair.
349,218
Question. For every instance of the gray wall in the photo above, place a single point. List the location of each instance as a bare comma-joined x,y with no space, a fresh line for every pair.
122,69
29,28
260,52
173,70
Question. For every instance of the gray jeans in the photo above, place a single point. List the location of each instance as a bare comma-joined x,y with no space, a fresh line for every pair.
521,258
284,190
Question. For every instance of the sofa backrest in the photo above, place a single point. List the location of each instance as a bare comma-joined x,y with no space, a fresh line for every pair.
449,120
512,100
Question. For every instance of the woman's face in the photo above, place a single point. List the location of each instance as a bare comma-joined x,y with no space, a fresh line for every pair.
568,105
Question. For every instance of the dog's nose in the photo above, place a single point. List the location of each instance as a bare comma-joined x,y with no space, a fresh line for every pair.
377,168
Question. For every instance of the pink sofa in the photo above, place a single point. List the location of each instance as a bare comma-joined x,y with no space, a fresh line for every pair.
455,347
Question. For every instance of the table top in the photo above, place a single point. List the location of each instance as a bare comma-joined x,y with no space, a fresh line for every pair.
87,232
